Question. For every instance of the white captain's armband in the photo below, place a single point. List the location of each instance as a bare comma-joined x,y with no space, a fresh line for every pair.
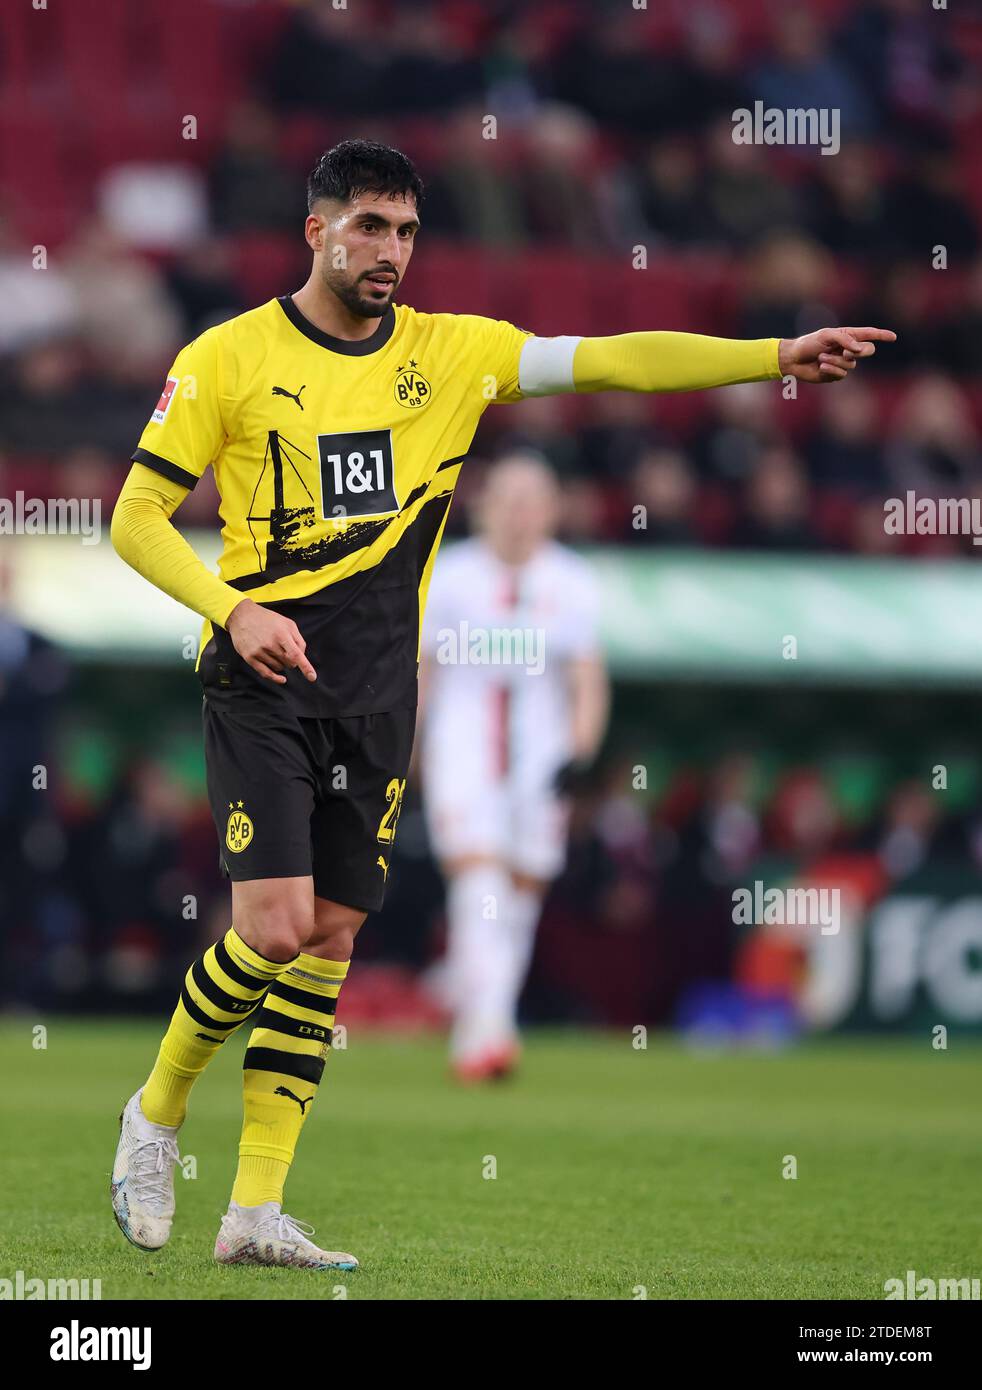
545,366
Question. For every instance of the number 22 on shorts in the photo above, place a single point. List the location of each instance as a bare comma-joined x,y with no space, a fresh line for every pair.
387,825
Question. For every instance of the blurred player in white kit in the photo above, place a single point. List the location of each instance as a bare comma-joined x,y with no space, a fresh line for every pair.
514,698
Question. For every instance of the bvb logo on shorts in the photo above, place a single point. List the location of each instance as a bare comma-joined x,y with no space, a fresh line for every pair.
239,831
412,389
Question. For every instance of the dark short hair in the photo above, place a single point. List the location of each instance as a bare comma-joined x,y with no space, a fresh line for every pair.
362,166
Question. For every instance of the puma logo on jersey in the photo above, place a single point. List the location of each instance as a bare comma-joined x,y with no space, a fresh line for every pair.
384,867
282,391
282,1091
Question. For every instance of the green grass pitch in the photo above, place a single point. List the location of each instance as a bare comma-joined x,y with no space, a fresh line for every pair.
616,1169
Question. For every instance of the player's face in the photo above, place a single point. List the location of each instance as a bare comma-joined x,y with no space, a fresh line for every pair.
364,247
519,513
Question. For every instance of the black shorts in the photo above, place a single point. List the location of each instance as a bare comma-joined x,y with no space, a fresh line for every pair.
293,796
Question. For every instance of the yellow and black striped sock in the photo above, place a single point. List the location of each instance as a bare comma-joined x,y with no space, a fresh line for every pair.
281,1072
221,990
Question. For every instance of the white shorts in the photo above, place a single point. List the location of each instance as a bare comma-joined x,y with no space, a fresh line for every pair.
477,802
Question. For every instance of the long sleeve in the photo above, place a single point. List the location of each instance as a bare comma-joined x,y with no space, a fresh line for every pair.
671,362
145,537
656,361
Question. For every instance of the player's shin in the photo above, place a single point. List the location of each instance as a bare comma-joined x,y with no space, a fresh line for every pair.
479,959
282,1069
524,910
222,989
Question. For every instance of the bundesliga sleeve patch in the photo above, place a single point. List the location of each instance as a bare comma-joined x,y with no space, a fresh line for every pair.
166,396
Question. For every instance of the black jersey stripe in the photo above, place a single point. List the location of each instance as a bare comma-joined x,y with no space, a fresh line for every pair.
358,536
427,530
418,492
165,468
297,1064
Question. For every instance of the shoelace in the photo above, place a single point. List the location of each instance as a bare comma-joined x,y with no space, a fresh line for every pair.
289,1228
152,1163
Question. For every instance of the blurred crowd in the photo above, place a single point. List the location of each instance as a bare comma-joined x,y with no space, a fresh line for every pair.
581,178
109,882
611,197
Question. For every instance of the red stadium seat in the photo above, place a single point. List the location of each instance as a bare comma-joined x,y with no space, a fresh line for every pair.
94,52
625,300
36,175
458,277
17,70
267,264
554,288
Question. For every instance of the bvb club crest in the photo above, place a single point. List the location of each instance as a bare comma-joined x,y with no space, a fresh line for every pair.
412,389
239,831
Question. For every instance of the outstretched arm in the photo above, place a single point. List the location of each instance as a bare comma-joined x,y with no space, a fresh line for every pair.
662,361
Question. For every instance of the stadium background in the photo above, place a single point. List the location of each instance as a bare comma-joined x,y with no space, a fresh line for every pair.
764,515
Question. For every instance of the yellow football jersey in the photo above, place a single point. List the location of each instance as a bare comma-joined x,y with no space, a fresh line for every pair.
335,462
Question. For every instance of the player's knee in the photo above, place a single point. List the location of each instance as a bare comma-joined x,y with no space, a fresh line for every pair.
282,941
463,863
339,946
334,929
528,883
273,921
281,938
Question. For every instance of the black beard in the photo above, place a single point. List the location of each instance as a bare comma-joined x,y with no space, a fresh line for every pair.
350,297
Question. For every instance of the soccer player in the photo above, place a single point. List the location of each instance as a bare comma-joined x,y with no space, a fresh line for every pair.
336,423
515,705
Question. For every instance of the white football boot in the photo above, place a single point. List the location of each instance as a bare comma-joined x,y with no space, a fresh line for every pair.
143,1177
264,1236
